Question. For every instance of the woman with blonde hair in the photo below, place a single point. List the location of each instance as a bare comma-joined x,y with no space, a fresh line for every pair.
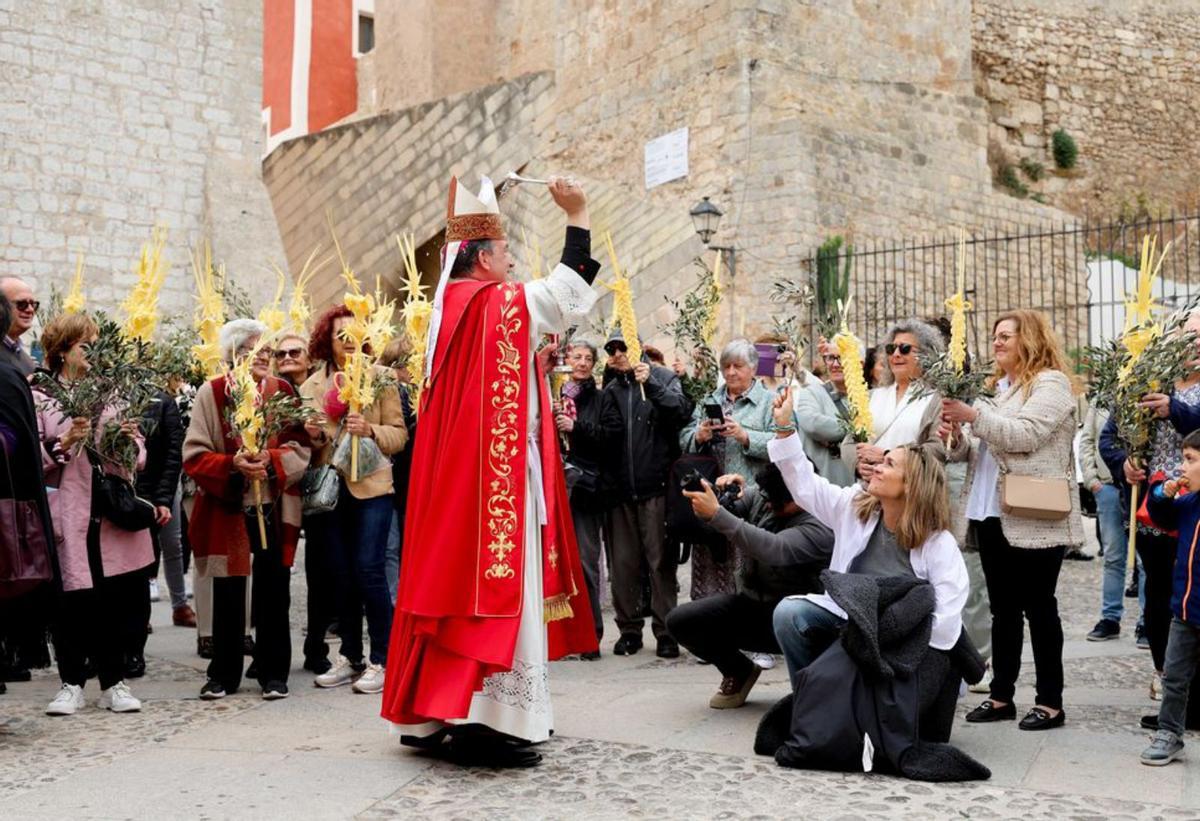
1027,432
898,526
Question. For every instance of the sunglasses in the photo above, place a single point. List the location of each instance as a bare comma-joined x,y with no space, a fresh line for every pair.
904,348
615,347
27,304
288,353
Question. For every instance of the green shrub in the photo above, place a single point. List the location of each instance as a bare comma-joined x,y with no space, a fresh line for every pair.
1033,169
1065,151
1007,177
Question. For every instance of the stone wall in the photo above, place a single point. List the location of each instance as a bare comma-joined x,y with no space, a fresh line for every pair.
120,114
1123,78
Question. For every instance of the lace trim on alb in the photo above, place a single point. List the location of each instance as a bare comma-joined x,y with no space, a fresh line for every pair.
525,686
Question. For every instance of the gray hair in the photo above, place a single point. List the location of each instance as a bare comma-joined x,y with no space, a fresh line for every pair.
930,342
739,351
583,343
234,334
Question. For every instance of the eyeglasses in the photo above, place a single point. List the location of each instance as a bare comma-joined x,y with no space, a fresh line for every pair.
289,353
27,305
832,360
904,348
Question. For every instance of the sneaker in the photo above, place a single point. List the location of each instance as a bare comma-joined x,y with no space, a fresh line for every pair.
734,690
1156,687
984,685
371,681
1164,748
763,661
1104,630
68,700
1143,641
274,690
342,672
118,699
212,690
154,594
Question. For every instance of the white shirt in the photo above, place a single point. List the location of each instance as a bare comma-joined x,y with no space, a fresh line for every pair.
897,422
984,500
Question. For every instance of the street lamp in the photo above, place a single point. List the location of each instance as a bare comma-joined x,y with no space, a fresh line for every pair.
706,217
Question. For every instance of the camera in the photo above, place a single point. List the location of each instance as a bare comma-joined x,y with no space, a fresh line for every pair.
692,481
728,497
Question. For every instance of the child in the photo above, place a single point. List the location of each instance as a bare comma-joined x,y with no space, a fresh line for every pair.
1173,507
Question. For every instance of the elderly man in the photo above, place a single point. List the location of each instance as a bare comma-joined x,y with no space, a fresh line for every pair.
24,306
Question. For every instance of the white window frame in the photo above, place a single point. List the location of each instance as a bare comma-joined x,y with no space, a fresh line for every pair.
359,8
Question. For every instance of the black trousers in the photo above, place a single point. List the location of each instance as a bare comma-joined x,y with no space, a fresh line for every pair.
95,624
1021,584
321,583
1157,553
270,599
717,628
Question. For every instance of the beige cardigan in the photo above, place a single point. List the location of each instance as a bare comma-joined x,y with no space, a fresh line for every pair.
1028,437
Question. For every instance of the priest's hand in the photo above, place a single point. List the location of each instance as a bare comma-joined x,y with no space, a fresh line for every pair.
641,373
356,425
545,356
568,195
704,502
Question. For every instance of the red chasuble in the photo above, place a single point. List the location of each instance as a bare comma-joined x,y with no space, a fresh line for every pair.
462,573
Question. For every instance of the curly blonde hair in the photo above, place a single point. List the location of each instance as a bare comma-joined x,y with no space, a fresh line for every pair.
1039,348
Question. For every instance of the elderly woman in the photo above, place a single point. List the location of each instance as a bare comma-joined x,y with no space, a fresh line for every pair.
223,527
1028,430
102,594
291,359
356,531
738,439
901,417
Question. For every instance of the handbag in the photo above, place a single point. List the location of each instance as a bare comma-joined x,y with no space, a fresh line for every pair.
320,486
116,499
370,457
24,550
1034,497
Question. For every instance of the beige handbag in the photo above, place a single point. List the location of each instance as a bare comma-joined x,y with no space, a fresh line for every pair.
1032,497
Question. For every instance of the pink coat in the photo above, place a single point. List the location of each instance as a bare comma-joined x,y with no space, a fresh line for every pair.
121,551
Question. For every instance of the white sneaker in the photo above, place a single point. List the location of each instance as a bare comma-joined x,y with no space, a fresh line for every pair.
342,672
1156,687
154,595
763,661
68,700
118,699
984,685
371,681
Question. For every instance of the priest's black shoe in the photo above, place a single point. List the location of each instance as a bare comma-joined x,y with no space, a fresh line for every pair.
627,645
486,751
591,655
1039,719
668,648
989,712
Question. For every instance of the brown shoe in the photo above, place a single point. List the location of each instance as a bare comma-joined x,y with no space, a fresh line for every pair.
183,616
733,690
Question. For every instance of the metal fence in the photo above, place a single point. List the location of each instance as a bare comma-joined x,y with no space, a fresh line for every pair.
1077,274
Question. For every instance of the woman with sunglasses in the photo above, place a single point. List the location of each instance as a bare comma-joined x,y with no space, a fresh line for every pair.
291,359
1027,430
897,526
102,567
901,416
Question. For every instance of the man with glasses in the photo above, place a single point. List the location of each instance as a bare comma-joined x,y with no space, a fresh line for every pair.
25,307
820,408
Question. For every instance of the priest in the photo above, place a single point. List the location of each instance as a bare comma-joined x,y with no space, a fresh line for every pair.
491,586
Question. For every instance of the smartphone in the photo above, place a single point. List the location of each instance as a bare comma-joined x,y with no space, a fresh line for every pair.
768,358
714,413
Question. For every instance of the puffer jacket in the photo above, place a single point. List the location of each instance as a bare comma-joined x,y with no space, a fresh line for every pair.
642,435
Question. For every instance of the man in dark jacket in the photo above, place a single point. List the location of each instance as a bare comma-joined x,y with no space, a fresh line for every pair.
783,550
578,420
642,412
158,483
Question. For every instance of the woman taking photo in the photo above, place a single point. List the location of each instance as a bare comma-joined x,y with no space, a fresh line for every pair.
102,566
897,526
901,417
355,533
1026,431
224,528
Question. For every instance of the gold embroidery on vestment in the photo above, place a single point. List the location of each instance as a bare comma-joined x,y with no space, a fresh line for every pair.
501,508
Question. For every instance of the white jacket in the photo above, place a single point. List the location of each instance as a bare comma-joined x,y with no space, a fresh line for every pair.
938,561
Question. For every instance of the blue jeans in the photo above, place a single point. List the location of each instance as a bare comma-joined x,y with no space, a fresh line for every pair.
1110,514
804,631
356,539
392,568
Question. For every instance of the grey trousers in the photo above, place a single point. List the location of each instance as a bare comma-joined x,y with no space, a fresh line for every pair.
977,612
639,531
1183,651
588,527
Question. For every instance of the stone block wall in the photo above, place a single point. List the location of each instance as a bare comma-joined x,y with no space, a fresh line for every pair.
121,114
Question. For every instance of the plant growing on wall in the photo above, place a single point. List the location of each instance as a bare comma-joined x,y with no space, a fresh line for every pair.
833,285
1064,148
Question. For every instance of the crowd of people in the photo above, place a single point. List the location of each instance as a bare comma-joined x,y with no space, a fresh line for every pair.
756,483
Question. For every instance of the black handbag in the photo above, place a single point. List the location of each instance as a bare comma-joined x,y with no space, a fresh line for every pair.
114,498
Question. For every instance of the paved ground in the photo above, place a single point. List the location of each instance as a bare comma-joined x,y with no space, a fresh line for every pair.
635,740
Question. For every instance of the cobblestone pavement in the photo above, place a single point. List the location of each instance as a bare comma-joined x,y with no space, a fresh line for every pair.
635,740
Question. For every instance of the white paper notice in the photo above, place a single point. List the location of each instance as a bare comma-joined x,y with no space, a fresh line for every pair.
667,158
